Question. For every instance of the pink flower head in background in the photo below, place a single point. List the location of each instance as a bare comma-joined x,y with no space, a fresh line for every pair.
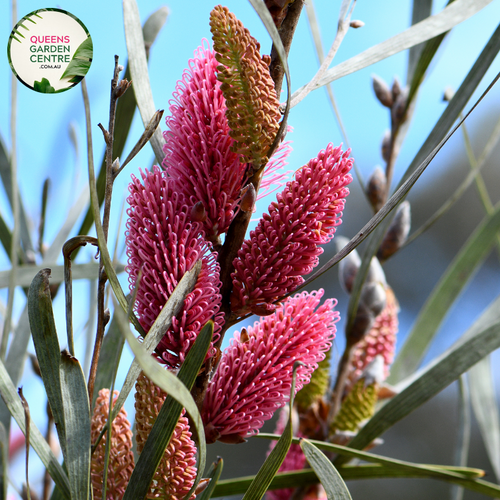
198,156
162,244
255,373
284,245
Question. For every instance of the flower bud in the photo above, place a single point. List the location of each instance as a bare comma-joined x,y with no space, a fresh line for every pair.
399,113
382,91
248,197
348,268
448,94
396,88
386,146
397,233
356,24
376,189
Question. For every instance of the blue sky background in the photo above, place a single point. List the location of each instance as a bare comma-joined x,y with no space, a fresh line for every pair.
43,145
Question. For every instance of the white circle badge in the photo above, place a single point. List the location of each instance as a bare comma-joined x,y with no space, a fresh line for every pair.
50,50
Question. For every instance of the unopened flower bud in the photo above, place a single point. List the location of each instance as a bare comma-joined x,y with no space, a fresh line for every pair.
399,108
448,94
382,91
376,273
396,88
248,197
198,212
376,189
348,268
122,87
356,24
374,297
397,233
386,145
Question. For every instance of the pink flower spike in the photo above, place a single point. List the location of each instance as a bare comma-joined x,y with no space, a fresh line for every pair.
162,244
254,376
198,155
284,245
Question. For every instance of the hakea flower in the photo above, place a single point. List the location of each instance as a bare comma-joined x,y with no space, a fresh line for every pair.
176,472
198,151
252,105
274,178
162,244
294,460
121,457
284,245
255,372
380,340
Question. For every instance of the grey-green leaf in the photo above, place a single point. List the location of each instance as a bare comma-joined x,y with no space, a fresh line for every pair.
4,462
328,475
77,422
47,348
37,441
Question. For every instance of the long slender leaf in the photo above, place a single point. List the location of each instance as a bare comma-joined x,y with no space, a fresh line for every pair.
37,441
459,272
433,26
47,347
447,368
177,389
329,476
432,144
421,10
213,475
270,467
77,423
139,72
484,404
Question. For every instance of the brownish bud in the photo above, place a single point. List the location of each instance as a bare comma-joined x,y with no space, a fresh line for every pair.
263,309
386,145
198,212
376,188
244,338
399,111
382,91
397,233
122,87
248,198
356,24
348,268
202,486
396,88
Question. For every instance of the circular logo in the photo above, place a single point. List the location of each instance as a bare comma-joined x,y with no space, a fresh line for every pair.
50,50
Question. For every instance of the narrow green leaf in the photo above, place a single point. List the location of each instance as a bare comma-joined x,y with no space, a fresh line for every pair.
270,467
214,475
5,236
421,10
37,441
433,26
153,25
485,406
139,72
4,462
447,368
330,478
457,275
179,396
77,424
81,60
47,347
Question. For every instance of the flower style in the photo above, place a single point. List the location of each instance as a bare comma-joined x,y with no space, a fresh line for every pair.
380,340
162,244
121,458
284,246
255,372
176,472
198,151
